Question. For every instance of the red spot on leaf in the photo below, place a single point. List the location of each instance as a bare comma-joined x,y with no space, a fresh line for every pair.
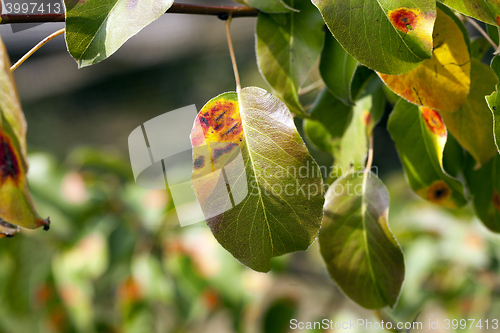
403,19
496,201
367,118
10,164
434,121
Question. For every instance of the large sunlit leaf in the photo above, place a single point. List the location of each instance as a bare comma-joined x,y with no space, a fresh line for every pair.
359,250
391,37
420,137
259,189
484,185
472,125
287,46
443,82
487,11
337,68
16,207
95,29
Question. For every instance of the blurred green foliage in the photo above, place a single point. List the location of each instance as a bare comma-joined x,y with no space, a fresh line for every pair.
116,260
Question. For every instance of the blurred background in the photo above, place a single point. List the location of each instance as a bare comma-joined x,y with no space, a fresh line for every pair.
116,259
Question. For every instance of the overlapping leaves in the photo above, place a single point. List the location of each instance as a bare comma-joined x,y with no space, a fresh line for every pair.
420,137
287,46
443,82
391,37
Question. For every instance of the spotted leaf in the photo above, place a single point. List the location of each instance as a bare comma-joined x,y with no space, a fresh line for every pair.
287,47
443,82
259,189
360,252
16,207
420,137
95,29
487,11
391,37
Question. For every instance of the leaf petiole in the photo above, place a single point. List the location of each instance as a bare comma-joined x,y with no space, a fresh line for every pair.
36,48
231,52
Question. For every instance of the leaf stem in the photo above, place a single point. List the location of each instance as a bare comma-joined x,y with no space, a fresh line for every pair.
34,49
482,32
177,8
231,52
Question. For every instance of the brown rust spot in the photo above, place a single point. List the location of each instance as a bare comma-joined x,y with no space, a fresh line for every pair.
495,200
10,164
218,152
434,121
403,19
367,118
199,162
498,19
438,192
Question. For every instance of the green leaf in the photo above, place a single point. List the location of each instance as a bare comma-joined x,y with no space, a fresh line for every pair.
95,29
472,125
337,68
353,147
268,6
16,207
453,156
484,185
493,33
287,46
483,10
493,101
391,37
359,250
248,142
443,82
420,138
479,47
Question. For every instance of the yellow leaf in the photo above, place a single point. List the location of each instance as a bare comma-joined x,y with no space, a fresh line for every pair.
443,82
16,206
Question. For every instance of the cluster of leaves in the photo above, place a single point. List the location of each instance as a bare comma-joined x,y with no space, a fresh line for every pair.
443,128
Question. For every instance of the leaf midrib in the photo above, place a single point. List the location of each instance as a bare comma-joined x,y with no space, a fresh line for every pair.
253,170
365,236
